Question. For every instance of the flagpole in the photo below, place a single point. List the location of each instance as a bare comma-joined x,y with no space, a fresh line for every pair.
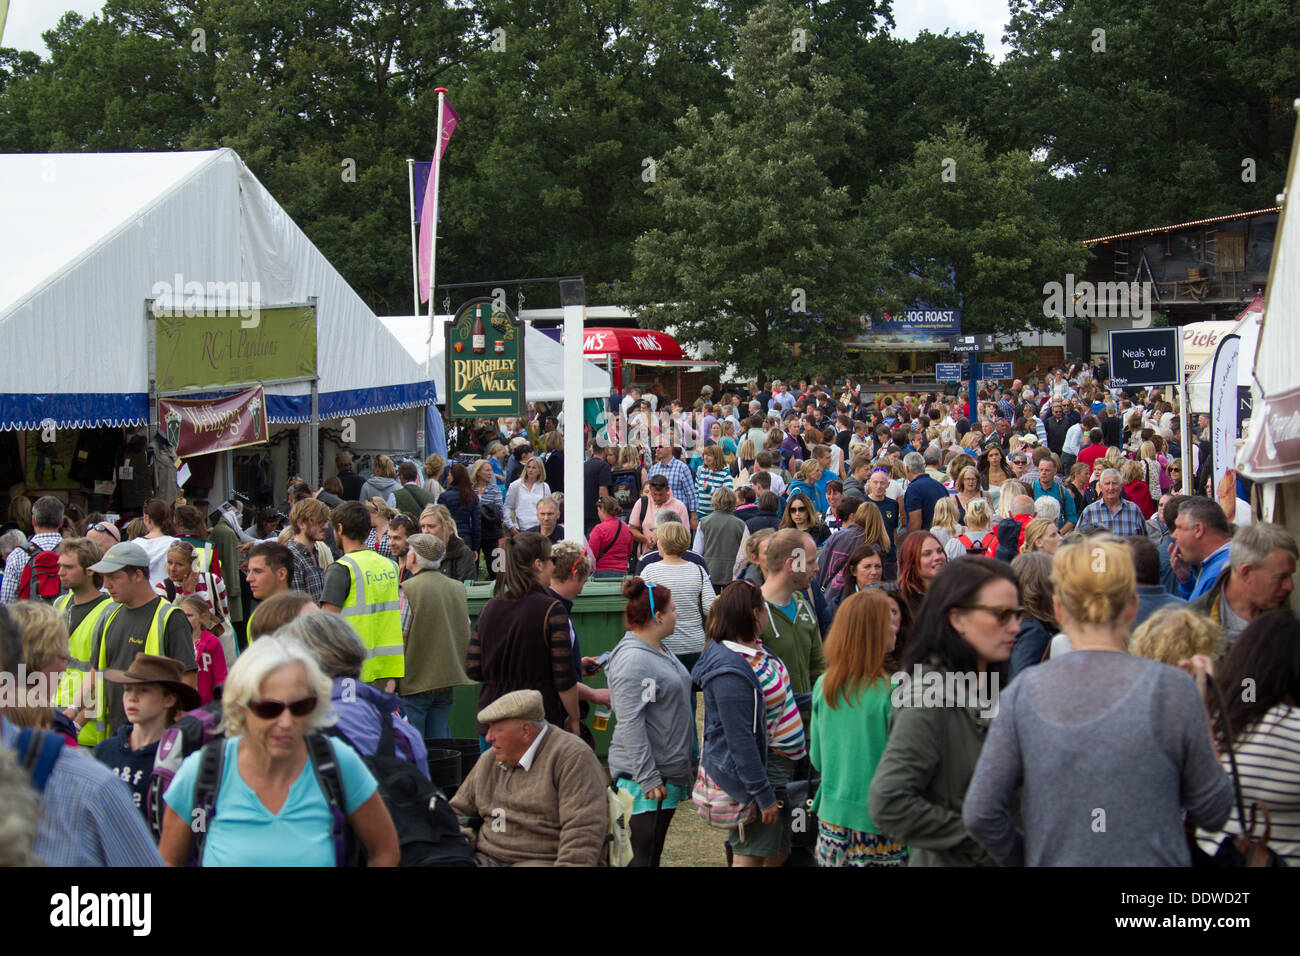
415,252
433,240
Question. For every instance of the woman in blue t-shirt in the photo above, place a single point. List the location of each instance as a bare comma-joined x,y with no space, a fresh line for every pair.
270,809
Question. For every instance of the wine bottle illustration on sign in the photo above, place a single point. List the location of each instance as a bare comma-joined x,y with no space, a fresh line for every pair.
478,343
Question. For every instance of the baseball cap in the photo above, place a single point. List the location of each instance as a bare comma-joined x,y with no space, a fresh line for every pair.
127,554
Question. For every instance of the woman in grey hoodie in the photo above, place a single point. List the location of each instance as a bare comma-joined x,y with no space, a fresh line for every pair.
650,691
382,482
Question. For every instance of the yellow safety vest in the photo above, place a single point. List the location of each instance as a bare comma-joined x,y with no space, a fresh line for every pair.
93,733
80,645
372,608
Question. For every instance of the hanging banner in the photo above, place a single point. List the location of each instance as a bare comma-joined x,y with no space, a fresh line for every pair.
200,426
211,351
1223,406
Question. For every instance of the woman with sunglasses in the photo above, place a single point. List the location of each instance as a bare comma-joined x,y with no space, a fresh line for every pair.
521,639
650,753
966,630
920,560
1104,750
800,514
267,808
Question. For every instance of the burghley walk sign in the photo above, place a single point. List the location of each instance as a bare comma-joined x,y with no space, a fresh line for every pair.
485,361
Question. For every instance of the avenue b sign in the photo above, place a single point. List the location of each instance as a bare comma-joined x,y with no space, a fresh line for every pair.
485,361
1145,357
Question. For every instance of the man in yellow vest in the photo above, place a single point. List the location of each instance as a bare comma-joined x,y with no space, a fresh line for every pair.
82,607
139,622
362,586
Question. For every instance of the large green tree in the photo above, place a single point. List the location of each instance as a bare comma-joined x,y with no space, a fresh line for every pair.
1148,110
758,250
969,230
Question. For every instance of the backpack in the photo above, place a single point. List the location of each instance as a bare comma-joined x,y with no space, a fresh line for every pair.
40,578
979,550
38,750
328,777
192,731
427,829
625,490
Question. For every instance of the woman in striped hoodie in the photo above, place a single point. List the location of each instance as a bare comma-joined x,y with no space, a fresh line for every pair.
753,734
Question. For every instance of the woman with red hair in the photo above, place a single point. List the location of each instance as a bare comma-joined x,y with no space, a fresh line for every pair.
920,559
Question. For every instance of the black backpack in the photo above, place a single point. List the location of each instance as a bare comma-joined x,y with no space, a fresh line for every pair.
427,829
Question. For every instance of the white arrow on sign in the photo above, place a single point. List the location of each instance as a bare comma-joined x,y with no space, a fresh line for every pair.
472,403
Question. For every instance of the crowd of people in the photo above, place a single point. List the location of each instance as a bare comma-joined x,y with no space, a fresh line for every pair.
860,631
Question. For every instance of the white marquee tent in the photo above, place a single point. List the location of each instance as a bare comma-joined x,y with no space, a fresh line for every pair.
87,237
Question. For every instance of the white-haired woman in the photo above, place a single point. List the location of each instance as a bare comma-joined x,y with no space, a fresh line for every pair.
268,806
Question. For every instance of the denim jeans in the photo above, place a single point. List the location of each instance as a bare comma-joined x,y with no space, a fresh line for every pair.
429,712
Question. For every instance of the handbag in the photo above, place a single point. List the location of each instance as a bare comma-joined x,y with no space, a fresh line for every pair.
717,807
796,802
1244,850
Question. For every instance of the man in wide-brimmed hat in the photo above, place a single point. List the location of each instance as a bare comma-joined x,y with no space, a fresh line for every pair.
153,696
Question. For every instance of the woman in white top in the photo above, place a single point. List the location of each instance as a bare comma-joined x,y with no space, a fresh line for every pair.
158,538
1265,730
978,532
945,524
524,494
692,590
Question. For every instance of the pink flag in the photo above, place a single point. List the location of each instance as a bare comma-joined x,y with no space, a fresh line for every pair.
428,215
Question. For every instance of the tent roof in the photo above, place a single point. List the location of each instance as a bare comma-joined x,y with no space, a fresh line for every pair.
543,372
92,235
1272,450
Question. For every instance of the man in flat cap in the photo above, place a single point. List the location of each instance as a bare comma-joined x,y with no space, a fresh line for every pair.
538,796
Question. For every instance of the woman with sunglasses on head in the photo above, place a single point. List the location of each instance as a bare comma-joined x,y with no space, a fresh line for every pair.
954,662
521,638
267,807
920,560
801,514
650,753
1105,750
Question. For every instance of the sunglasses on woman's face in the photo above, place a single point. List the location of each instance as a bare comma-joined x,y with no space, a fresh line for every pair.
271,709
797,509
1003,614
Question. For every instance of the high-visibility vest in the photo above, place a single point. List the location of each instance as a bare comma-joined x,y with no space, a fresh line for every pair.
80,645
97,730
372,608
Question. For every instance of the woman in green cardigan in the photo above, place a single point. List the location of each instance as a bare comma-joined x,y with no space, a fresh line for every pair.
851,713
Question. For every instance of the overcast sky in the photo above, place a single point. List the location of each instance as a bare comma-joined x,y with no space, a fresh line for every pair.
28,19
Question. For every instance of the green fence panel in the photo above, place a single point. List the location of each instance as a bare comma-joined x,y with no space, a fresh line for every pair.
597,619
